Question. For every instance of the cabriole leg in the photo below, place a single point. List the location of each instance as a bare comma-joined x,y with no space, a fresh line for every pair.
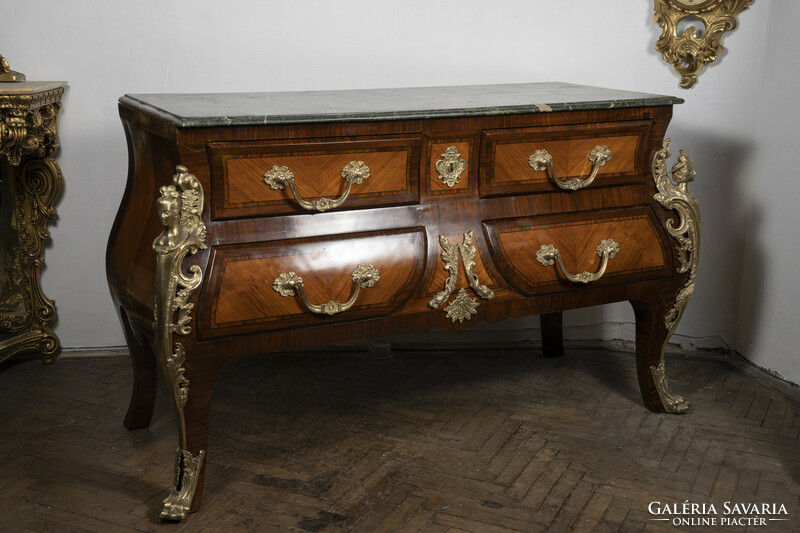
143,393
651,340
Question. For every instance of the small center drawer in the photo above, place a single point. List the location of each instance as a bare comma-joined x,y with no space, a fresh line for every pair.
387,171
547,159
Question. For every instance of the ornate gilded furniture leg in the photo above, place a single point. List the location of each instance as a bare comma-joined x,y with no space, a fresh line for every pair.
660,315
31,181
179,209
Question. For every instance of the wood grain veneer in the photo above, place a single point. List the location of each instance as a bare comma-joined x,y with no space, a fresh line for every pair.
514,243
238,174
240,298
506,154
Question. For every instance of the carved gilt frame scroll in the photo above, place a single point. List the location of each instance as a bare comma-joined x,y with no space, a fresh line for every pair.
695,47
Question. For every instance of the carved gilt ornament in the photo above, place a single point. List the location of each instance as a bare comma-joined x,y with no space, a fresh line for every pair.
28,124
28,138
695,47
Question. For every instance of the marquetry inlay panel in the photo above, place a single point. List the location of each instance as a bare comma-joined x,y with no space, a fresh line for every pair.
516,243
238,171
507,168
241,295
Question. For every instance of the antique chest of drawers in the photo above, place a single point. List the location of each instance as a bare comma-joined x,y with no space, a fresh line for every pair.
256,223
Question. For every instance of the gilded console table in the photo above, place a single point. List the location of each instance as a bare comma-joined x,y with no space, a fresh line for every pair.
257,223
31,181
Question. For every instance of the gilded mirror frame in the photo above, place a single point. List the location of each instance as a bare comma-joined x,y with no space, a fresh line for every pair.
689,52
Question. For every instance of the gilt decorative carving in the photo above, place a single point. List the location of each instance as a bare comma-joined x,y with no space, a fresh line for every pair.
33,181
695,47
28,124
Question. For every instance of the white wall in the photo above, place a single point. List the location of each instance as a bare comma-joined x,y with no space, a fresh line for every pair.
106,49
769,313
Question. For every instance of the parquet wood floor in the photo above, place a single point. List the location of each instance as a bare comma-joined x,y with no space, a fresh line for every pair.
454,437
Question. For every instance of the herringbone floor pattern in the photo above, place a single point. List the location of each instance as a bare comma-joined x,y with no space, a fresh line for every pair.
483,438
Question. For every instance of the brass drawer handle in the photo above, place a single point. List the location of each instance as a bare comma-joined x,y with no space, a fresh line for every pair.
542,160
290,284
549,254
353,172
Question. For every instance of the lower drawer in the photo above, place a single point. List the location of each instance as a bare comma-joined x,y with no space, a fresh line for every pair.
539,255
265,286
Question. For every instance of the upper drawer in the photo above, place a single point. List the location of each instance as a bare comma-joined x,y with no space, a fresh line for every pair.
378,172
530,160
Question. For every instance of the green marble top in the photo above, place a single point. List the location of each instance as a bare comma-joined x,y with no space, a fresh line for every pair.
247,109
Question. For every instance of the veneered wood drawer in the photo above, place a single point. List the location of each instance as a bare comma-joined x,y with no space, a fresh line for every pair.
514,244
238,169
240,296
506,170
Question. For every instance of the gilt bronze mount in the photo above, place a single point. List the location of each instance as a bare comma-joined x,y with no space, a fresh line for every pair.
674,194
463,307
179,209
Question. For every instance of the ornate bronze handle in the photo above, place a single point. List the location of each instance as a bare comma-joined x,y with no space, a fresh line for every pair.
542,160
353,172
549,254
290,284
